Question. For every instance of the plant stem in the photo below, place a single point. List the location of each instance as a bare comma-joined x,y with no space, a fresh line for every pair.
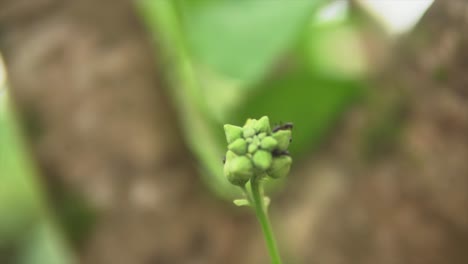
247,195
262,217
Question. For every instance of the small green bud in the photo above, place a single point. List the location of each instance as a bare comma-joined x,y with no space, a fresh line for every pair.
252,148
250,123
239,170
249,140
230,155
256,141
248,132
241,202
280,167
262,159
283,137
227,161
262,135
263,125
268,143
232,133
239,146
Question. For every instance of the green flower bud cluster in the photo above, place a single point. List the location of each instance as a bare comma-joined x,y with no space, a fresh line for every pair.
255,149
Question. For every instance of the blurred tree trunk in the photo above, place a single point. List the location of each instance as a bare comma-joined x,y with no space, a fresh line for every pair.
85,81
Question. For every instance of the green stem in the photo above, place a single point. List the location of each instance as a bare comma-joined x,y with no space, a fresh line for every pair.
247,195
262,217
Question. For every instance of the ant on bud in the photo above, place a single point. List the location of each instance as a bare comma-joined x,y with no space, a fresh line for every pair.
277,153
285,126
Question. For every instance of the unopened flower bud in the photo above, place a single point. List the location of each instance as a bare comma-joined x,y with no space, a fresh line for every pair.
239,170
229,157
250,122
248,132
232,133
262,159
239,146
280,167
256,141
284,138
252,148
263,125
268,143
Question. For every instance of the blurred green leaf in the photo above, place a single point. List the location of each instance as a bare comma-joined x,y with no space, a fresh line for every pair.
336,50
322,77
24,219
19,206
219,53
199,129
242,39
44,246
312,103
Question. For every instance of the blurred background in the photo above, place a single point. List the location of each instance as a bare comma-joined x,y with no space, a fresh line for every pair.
111,138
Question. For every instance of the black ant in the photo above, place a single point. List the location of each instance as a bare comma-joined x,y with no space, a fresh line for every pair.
285,126
277,153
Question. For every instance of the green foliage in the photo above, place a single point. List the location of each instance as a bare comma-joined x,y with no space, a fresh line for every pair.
199,129
19,206
43,246
335,50
310,102
24,218
242,39
231,60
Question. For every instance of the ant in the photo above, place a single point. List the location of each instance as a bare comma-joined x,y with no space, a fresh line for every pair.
285,126
277,153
